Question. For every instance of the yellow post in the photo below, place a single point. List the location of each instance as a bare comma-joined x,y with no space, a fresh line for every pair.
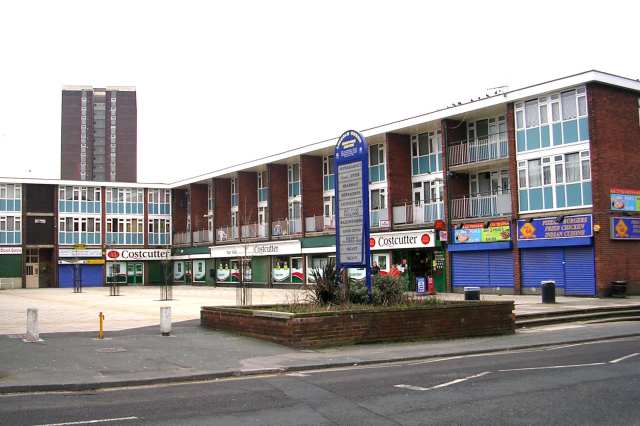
100,333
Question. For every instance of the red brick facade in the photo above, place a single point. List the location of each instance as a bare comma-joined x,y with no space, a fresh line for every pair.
398,170
513,180
178,210
247,198
278,192
311,179
199,208
222,202
614,130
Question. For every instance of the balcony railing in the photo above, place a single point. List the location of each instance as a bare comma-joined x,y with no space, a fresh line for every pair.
285,227
487,205
492,147
253,230
202,236
227,233
182,238
320,223
379,218
417,214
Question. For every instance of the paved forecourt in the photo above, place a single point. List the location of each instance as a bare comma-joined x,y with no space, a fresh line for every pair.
61,310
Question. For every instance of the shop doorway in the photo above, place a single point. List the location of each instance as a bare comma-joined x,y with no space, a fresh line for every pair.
135,273
37,268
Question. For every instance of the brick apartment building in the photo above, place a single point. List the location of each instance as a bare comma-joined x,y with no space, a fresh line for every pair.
502,192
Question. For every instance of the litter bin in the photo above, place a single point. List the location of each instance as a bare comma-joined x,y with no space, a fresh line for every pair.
472,293
548,291
619,289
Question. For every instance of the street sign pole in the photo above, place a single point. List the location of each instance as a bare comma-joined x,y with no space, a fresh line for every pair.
351,180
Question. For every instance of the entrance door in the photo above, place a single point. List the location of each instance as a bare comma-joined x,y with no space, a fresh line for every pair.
262,222
328,212
32,268
135,273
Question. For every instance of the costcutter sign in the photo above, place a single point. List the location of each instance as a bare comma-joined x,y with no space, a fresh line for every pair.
138,254
399,240
10,250
274,249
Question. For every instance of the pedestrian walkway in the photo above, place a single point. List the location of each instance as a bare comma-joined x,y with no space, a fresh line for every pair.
62,310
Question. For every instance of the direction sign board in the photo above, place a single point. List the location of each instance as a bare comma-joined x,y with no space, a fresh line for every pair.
352,200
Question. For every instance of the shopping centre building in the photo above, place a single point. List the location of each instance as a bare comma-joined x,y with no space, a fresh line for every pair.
500,192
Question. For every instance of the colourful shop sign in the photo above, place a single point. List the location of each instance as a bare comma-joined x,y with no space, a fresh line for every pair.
477,232
551,228
625,200
625,228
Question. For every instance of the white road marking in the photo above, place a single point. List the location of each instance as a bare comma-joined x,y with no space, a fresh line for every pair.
623,358
551,328
297,375
442,385
550,367
87,422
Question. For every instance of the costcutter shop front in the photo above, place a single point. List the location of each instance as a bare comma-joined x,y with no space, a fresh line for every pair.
137,266
82,265
276,263
559,249
482,256
418,255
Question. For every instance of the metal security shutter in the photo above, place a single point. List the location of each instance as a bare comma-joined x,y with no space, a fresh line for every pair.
539,264
579,271
470,268
501,268
92,275
65,276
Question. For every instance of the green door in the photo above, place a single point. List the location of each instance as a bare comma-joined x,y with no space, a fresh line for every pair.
135,273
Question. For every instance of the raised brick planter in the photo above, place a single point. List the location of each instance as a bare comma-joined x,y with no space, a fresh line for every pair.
446,321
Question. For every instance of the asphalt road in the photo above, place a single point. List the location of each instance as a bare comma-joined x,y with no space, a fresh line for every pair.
596,383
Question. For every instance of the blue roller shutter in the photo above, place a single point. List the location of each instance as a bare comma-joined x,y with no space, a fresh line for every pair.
580,277
65,276
92,275
470,268
540,264
501,268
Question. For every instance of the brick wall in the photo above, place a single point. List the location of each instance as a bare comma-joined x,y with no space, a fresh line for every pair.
179,210
199,207
247,198
278,192
615,156
126,137
513,179
398,170
311,179
441,322
222,202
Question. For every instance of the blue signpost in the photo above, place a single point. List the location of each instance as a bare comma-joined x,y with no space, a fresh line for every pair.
352,200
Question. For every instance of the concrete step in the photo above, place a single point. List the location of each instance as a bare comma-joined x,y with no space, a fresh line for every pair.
591,315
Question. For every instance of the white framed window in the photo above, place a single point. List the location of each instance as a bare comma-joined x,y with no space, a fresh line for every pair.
377,169
263,193
159,231
328,165
234,192
426,153
293,180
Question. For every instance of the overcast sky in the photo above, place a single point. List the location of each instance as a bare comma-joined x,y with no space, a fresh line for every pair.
223,82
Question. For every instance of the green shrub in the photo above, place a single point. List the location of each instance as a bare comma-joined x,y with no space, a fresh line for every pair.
386,290
327,289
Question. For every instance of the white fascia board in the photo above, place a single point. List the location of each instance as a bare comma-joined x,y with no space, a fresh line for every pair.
83,183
